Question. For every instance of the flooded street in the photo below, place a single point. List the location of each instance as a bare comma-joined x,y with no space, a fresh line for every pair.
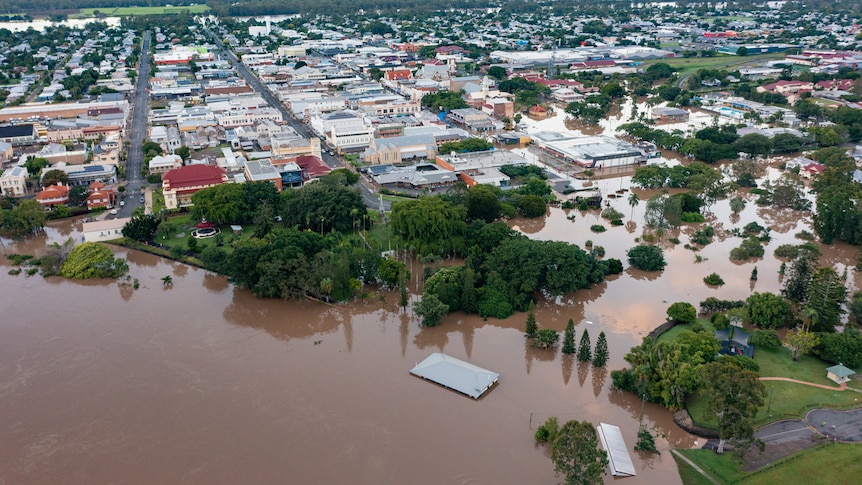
203,383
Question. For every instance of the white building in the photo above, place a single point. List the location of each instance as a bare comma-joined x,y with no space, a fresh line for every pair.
345,130
14,182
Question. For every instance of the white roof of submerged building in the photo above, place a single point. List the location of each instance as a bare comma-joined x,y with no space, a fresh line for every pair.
618,455
455,374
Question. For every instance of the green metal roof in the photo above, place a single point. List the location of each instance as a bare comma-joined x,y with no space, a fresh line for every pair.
840,371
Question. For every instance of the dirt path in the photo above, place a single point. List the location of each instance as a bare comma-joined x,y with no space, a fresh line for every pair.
843,386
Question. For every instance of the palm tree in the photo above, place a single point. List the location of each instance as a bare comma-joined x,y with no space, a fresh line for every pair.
167,281
634,200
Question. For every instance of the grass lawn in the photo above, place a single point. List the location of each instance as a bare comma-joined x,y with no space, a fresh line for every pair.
677,329
396,198
689,475
132,11
158,201
725,468
778,363
790,400
727,62
828,464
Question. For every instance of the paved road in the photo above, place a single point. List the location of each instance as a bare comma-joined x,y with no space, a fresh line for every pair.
254,82
138,130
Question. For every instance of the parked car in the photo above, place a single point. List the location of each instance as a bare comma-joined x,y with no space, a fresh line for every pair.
122,203
114,212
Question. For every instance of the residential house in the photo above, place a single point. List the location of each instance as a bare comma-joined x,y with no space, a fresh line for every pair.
6,152
179,184
54,195
163,163
100,197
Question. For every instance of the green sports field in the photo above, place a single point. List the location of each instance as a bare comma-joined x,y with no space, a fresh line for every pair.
132,11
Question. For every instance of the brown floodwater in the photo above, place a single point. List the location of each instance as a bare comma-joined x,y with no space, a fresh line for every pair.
203,383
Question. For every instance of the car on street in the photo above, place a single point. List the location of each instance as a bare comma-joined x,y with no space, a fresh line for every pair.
114,212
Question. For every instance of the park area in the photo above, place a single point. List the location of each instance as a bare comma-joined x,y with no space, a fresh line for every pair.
134,11
795,447
690,65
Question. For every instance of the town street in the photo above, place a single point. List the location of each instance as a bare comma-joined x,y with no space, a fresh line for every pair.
138,130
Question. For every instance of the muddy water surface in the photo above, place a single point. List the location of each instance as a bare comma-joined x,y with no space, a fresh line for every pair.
203,383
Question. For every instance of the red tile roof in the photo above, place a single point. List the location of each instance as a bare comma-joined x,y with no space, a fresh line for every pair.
193,175
312,166
53,192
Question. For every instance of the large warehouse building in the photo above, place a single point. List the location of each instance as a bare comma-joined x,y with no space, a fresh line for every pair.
592,151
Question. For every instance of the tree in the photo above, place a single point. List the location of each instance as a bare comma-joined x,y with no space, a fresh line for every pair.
682,312
483,204
737,204
167,280
532,206
753,144
841,348
26,217
768,310
93,260
576,455
531,328
600,356
52,177
546,338
634,200
429,225
184,152
497,72
800,342
142,228
646,257
375,73
569,338
77,195
827,295
584,352
432,310
734,395
447,285
35,165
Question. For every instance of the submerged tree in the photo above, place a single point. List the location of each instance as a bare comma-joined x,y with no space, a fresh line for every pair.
546,338
584,352
576,454
431,309
531,328
569,338
600,356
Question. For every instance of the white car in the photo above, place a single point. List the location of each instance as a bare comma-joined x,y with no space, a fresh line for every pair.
114,212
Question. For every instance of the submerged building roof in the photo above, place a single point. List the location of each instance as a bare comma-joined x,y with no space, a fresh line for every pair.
618,455
455,374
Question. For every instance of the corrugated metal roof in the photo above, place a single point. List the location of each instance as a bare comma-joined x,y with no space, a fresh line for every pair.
455,374
618,455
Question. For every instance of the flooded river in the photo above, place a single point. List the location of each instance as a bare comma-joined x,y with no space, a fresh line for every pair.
203,383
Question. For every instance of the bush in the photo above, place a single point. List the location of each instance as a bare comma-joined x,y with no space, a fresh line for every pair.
692,217
789,251
646,442
805,235
598,252
546,338
767,339
547,432
720,321
647,258
617,222
682,312
612,266
597,228
712,305
611,214
713,279
532,206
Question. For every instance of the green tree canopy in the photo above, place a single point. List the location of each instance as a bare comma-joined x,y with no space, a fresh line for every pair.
576,454
93,260
647,257
734,395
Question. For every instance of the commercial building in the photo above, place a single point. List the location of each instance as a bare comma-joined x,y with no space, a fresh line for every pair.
179,184
592,151
14,182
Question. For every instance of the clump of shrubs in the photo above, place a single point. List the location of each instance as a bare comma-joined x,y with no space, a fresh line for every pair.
598,228
713,280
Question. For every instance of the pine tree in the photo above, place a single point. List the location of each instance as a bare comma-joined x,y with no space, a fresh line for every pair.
584,353
569,338
531,327
600,356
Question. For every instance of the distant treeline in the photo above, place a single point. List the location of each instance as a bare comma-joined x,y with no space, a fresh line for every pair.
19,6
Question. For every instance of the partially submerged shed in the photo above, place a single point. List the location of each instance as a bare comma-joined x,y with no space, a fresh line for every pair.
619,459
455,374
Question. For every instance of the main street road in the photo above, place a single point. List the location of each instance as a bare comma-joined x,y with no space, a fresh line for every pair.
270,98
138,130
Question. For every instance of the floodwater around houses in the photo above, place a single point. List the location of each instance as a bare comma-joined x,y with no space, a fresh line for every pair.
202,382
